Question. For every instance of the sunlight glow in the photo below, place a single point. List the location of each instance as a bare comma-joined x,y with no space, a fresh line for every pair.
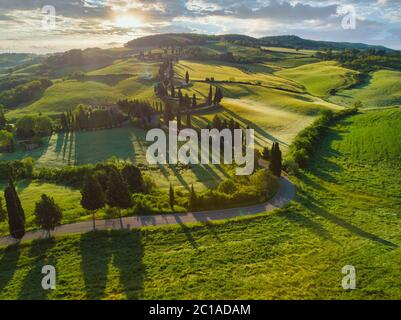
126,21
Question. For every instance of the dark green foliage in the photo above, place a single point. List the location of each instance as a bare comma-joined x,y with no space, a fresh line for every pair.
92,194
30,126
192,199
16,215
276,160
117,193
189,123
3,121
364,60
194,101
47,213
171,197
3,212
187,77
209,99
179,118
301,149
241,191
266,154
23,93
133,177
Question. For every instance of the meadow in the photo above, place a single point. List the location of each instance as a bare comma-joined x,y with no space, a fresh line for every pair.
320,78
346,212
382,89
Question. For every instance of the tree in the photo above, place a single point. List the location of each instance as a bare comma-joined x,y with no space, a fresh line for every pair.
16,218
117,193
3,121
133,176
179,122
194,102
276,160
47,213
187,77
93,197
192,198
2,211
210,96
180,97
218,97
171,194
189,123
172,89
266,154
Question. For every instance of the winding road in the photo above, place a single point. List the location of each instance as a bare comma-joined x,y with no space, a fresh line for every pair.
285,194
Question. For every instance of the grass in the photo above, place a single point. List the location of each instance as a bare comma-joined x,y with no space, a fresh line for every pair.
275,115
346,212
383,90
320,78
30,192
256,73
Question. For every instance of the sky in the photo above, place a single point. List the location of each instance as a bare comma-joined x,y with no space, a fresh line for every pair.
42,26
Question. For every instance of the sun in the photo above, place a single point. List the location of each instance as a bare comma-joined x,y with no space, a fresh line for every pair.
127,21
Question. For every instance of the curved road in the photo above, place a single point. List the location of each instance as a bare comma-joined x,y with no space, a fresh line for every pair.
285,194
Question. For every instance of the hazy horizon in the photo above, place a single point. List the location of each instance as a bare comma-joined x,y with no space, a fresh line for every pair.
26,25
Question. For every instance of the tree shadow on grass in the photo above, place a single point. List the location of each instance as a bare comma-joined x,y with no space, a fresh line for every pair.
8,264
128,254
187,232
124,249
95,253
319,210
252,125
40,253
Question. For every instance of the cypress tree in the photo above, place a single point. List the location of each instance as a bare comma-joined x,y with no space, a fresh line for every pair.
194,102
3,121
133,176
18,201
2,211
117,193
266,153
47,213
180,97
171,194
189,124
15,221
192,198
276,160
187,77
93,197
172,89
210,96
179,122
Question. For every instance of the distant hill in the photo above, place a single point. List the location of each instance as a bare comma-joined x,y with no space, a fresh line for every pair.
297,42
287,41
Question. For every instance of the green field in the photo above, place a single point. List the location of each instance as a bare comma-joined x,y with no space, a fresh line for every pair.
320,78
382,90
30,191
346,213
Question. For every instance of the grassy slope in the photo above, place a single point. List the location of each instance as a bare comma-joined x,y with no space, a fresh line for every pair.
346,212
320,78
274,114
383,90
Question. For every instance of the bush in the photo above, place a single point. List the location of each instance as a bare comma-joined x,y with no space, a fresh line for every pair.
304,143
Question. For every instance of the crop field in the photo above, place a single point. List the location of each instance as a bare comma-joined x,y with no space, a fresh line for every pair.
320,78
382,90
346,212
